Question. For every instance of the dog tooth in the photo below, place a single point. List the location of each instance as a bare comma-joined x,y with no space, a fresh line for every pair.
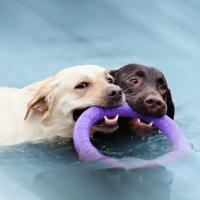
138,120
111,121
116,117
105,118
150,124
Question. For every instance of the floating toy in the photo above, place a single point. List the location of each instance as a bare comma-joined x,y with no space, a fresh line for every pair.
87,152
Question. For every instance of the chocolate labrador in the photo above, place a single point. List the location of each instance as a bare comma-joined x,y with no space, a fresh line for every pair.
147,92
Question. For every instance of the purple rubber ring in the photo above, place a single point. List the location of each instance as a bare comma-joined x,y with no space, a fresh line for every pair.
87,152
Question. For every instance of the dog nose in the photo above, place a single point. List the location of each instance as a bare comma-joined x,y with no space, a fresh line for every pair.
153,103
114,93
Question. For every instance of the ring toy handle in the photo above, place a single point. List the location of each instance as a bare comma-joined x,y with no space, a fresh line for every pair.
87,152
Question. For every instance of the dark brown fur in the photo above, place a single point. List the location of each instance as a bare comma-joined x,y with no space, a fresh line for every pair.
146,90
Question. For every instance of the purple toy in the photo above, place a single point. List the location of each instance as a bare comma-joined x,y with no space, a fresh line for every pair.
87,152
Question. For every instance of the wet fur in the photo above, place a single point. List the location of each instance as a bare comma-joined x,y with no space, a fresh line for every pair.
44,110
126,72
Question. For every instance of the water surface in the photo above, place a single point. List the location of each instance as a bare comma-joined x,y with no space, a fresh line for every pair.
38,38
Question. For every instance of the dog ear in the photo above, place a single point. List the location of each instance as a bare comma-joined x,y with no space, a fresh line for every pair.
43,100
113,73
170,105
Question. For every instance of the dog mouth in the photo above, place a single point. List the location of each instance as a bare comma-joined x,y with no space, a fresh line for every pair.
77,113
141,127
106,125
140,123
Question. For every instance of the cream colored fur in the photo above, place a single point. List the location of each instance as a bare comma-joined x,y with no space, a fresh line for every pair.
45,109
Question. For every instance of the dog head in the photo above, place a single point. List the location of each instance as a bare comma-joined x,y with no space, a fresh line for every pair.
67,94
146,90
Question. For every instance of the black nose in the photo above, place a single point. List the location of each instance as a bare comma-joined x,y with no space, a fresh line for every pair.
114,93
153,102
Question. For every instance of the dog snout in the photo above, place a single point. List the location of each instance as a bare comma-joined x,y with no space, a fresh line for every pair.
153,102
155,105
114,93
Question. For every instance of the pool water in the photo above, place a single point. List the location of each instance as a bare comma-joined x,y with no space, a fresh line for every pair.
38,38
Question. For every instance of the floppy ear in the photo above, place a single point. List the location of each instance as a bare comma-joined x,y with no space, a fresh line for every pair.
170,105
113,73
43,101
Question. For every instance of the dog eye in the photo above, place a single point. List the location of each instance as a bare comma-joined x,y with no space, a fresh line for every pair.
163,87
82,85
134,80
110,80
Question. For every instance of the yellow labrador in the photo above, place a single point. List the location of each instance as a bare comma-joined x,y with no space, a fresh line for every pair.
50,108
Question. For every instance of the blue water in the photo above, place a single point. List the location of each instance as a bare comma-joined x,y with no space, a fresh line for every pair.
38,38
